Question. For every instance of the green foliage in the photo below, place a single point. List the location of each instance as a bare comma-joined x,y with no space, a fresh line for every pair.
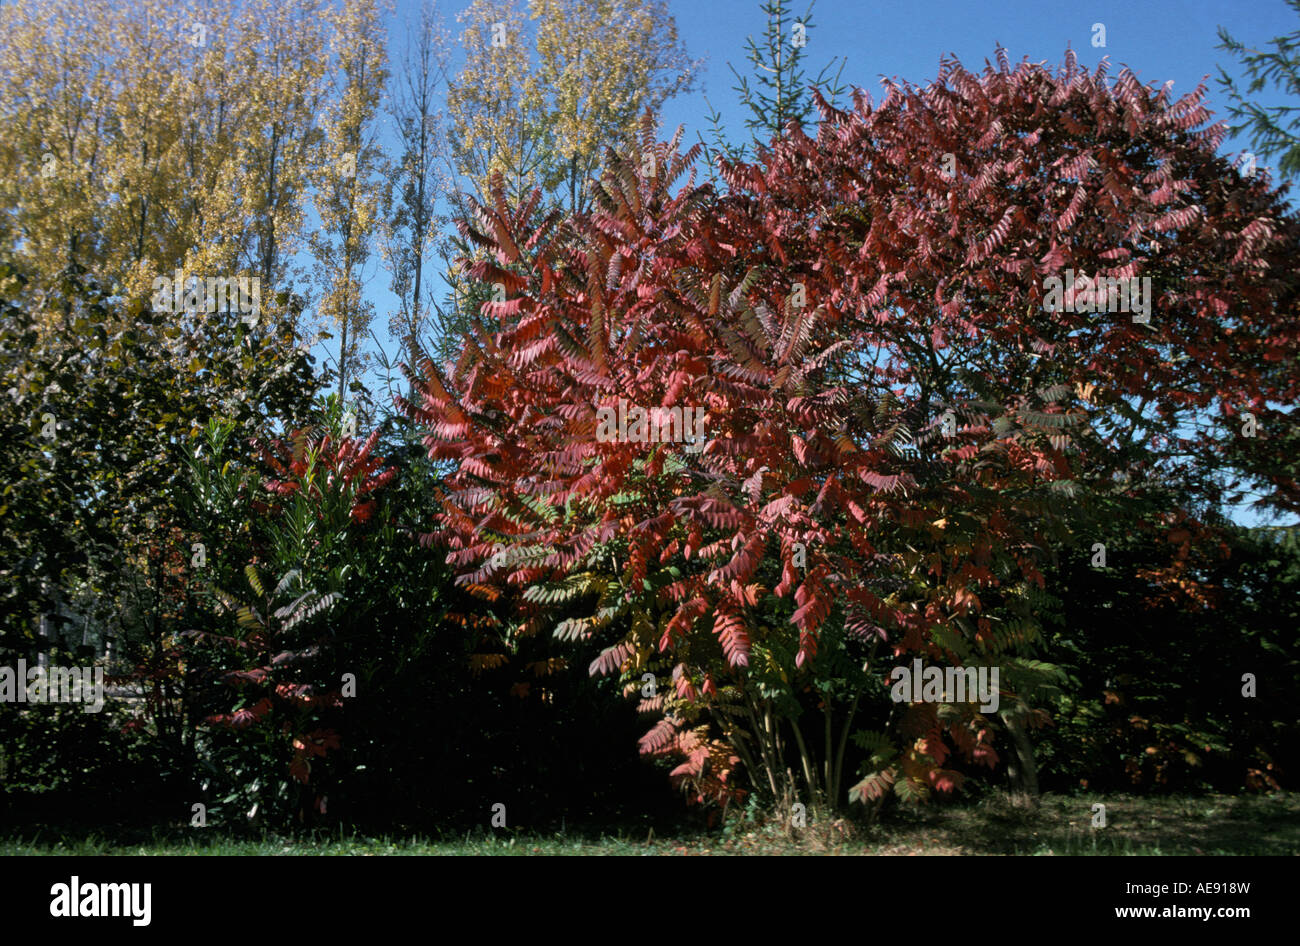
1154,699
103,400
780,91
82,497
423,740
61,764
1272,129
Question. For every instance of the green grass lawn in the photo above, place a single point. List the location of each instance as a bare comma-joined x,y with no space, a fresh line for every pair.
1211,824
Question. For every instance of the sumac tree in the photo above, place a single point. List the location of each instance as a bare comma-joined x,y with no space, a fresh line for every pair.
898,424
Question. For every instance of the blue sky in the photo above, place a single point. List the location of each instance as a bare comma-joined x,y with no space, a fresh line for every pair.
1159,39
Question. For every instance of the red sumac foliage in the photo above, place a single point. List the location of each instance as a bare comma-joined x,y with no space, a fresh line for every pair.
891,420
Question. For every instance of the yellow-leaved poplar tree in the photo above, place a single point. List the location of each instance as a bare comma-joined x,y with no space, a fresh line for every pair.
494,107
349,178
137,139
600,65
410,217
